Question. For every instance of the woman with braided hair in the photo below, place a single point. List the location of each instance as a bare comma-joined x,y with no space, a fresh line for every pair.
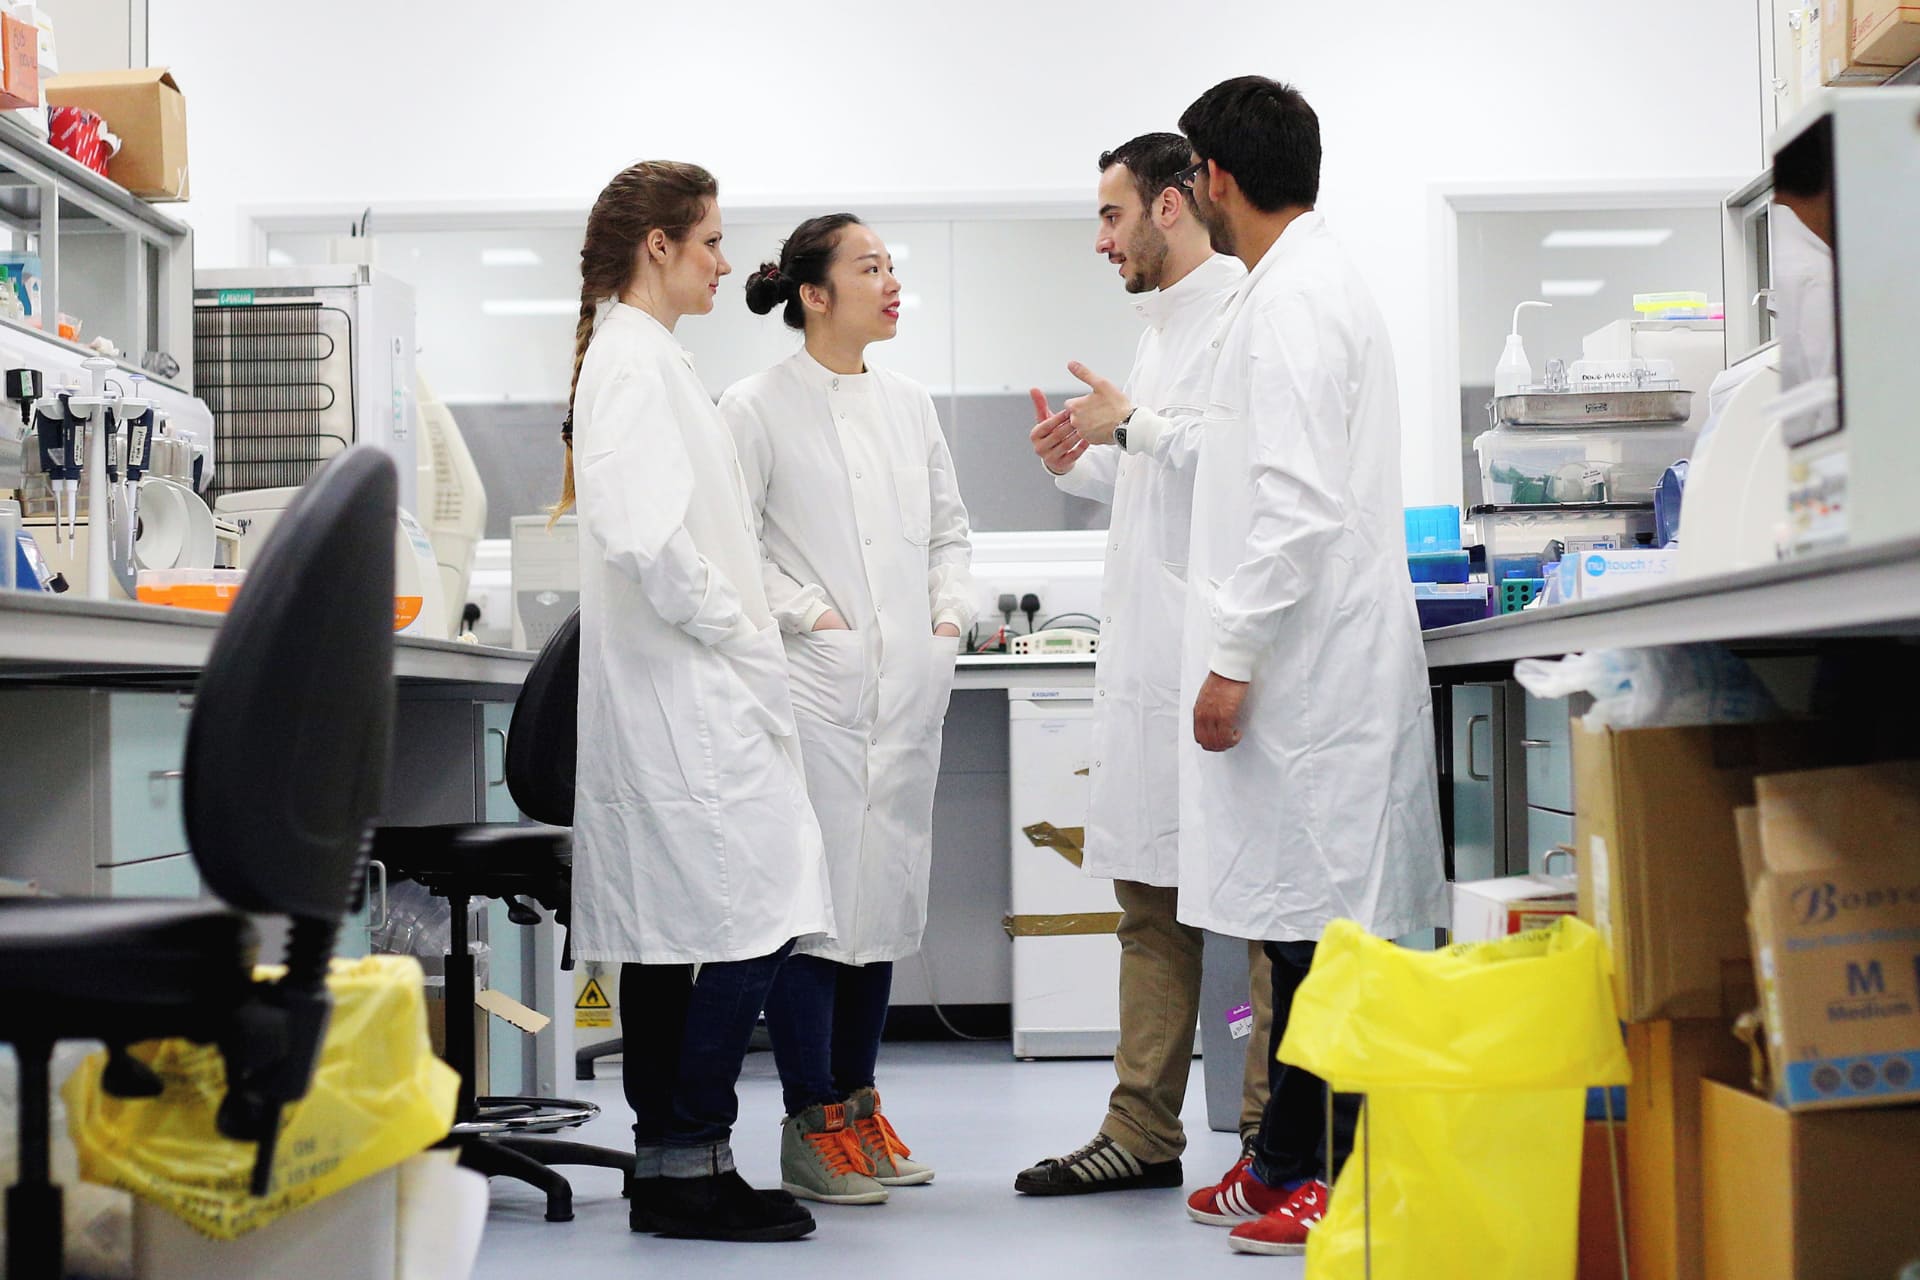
697,858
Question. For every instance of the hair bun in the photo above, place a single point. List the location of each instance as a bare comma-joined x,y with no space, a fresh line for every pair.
766,289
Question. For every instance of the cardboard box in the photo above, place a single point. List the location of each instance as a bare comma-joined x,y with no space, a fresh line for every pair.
1836,934
1885,33
1488,909
437,1036
1830,1196
1615,573
1838,65
1669,1060
145,107
1659,868
19,64
1599,1214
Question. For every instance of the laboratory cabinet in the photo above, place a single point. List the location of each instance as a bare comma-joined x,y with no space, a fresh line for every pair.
1507,779
95,786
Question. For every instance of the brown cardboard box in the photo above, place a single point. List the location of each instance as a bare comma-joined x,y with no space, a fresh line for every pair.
19,64
1829,1196
1885,33
1599,1221
1669,1061
144,106
437,1036
1836,934
1659,868
1838,65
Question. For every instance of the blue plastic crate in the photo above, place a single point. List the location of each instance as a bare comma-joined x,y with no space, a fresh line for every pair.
1439,566
1433,528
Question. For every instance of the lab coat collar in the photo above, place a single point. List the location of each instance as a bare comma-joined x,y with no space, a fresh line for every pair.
642,323
818,376
1302,229
1162,305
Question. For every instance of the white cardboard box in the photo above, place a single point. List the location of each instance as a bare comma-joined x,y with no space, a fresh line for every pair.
1487,909
1613,573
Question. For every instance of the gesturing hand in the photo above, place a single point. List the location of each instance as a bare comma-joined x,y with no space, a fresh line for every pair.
1104,407
1055,442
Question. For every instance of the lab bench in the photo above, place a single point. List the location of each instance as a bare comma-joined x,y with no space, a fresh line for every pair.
95,699
1505,765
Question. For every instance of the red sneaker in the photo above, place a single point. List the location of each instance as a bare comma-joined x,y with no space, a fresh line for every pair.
1284,1231
1238,1197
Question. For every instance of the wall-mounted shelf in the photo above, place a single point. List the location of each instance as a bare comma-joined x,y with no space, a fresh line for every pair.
107,257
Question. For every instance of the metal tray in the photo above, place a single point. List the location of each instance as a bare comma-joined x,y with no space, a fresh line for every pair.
1601,408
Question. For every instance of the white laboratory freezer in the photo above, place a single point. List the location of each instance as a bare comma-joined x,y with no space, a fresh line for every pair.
1066,985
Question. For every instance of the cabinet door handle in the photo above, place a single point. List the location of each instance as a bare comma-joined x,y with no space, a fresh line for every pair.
166,775
500,781
1472,772
1536,744
375,865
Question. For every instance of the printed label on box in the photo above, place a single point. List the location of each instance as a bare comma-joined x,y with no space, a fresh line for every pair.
1240,1021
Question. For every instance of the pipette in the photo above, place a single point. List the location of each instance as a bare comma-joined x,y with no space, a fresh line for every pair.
50,429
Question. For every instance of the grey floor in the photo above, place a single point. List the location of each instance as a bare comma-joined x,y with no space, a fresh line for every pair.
969,1110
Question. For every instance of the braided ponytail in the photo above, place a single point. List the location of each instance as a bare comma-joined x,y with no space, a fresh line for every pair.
654,194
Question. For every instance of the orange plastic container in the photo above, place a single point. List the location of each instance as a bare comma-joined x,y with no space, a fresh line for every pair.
209,590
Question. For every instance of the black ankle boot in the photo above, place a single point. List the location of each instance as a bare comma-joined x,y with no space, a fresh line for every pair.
716,1207
644,1197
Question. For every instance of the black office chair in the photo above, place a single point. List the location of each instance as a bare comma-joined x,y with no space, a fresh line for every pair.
503,1136
286,766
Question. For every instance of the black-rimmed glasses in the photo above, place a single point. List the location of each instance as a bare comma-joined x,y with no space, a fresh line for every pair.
1190,175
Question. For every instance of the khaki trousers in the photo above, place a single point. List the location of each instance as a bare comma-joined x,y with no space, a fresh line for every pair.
1159,1009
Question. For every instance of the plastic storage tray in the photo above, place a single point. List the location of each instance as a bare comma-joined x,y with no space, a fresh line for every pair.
1433,529
1603,408
1532,467
1520,540
1447,604
1439,566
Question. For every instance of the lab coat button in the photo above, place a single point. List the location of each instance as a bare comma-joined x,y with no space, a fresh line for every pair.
836,387
858,476
869,541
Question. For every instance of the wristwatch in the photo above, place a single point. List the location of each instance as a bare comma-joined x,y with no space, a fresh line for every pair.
1120,432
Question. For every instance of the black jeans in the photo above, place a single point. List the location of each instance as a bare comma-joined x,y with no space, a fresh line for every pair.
826,1020
685,1041
1292,1139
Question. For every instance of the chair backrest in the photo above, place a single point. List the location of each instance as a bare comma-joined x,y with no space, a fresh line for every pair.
543,741
292,727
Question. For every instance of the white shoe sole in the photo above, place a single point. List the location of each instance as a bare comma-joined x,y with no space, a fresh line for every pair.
1261,1246
799,1192
909,1180
1216,1219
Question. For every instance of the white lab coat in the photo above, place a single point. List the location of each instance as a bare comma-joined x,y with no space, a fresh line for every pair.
1802,301
1328,806
1133,805
693,839
859,511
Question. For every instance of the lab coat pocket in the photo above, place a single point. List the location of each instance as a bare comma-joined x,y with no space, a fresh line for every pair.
762,699
946,652
912,487
829,670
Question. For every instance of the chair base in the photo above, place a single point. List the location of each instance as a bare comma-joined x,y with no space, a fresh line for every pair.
529,1159
583,1059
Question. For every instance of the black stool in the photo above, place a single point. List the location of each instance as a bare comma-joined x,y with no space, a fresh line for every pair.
502,1136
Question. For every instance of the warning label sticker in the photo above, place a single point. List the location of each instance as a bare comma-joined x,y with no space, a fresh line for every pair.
591,1008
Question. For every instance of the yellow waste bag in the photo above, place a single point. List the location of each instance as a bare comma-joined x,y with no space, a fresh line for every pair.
1475,1062
378,1096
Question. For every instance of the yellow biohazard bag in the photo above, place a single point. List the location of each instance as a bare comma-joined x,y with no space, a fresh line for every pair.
378,1096
1475,1062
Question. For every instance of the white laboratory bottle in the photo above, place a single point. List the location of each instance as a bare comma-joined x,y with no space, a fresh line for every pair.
1513,374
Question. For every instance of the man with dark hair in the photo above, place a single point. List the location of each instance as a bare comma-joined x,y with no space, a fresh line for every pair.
1148,230
1307,792
1801,274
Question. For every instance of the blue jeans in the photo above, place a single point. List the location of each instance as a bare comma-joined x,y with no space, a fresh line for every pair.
685,1041
1290,1146
826,1019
